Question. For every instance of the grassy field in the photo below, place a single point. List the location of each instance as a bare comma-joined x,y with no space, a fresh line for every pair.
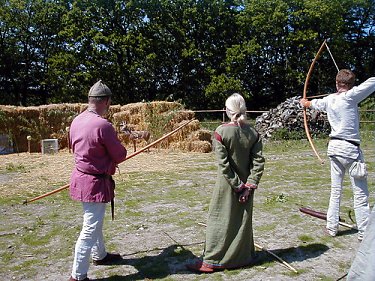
162,198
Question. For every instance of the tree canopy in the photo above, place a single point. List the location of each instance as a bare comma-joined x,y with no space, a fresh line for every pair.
196,52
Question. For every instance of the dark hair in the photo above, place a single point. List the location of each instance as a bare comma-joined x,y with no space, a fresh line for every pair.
345,77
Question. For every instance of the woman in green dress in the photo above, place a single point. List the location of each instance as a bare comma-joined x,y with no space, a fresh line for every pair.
229,237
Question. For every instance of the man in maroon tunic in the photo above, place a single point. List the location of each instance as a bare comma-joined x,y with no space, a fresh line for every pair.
97,150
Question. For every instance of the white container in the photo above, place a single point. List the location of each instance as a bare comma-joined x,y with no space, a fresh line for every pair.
50,146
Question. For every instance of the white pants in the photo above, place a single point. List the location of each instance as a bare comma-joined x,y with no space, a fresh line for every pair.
360,193
90,240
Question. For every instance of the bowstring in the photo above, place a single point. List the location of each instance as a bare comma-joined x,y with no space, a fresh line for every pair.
329,51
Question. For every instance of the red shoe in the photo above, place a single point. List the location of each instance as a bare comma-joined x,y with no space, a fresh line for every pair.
200,266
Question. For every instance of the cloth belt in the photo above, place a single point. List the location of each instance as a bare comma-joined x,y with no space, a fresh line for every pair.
103,176
352,142
113,209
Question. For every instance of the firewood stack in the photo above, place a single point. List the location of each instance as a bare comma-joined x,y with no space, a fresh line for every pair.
289,116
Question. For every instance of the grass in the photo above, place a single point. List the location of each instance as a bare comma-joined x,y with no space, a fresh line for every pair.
306,238
160,199
10,168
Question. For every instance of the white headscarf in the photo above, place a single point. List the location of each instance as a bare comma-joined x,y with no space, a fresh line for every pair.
236,108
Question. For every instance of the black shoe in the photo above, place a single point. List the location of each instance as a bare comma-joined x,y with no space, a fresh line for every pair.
72,279
108,259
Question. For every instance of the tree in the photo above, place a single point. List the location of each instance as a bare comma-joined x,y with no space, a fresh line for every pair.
28,31
196,52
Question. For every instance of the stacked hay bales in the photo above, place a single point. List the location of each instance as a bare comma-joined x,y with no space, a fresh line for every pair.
52,121
159,118
197,141
48,121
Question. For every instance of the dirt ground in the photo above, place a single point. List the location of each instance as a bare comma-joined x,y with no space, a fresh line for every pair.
161,202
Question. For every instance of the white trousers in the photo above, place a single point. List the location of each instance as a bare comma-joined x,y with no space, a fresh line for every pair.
90,240
339,165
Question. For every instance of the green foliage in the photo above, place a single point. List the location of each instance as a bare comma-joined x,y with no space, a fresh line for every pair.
306,238
280,198
367,112
286,134
11,167
221,87
194,52
210,124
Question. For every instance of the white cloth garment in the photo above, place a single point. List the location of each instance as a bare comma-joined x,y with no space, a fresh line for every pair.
363,268
360,193
342,110
90,240
343,150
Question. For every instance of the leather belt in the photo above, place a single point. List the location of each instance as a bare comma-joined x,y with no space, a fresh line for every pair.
103,176
352,142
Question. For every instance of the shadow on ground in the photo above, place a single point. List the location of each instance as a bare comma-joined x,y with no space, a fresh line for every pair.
156,267
300,253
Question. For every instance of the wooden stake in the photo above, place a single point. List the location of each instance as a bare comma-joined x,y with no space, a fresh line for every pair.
47,194
67,129
277,257
28,144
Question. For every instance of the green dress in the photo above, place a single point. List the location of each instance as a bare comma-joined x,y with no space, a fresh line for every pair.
229,236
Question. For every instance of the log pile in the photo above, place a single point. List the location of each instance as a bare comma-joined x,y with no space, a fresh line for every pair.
288,116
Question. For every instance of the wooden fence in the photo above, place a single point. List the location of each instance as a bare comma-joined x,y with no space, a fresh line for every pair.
224,117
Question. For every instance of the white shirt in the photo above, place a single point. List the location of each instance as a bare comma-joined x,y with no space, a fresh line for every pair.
343,116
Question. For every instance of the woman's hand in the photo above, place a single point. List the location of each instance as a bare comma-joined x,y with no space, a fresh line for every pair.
244,196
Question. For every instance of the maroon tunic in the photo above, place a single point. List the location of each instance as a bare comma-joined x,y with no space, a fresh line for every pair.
97,151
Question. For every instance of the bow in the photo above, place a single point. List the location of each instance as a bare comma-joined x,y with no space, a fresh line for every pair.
305,96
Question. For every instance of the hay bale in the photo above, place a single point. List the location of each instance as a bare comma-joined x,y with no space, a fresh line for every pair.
51,121
201,134
82,107
194,146
184,132
119,117
155,106
144,114
19,122
179,116
57,117
39,122
158,118
113,109
134,108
